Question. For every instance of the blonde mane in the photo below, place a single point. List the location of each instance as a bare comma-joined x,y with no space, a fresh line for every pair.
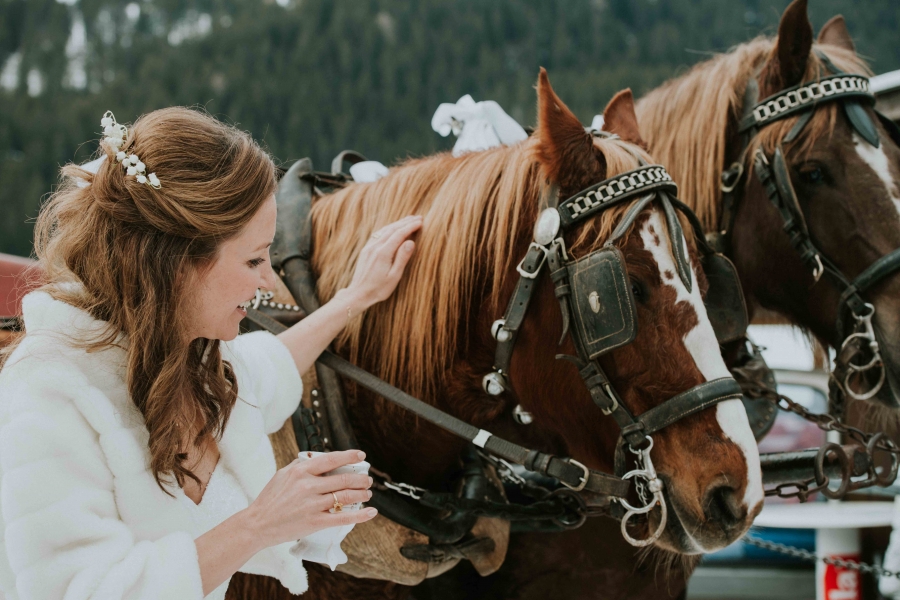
477,207
688,120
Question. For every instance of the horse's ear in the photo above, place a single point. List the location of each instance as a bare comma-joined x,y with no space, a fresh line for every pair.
619,118
565,149
787,65
835,33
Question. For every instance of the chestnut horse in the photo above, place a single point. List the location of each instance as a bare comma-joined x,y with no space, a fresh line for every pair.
432,338
848,188
850,194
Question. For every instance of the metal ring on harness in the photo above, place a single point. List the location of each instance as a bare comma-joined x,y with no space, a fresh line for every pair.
822,480
655,487
868,336
887,476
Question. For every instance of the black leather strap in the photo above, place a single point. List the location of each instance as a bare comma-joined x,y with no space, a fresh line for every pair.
572,475
518,306
692,401
613,191
807,96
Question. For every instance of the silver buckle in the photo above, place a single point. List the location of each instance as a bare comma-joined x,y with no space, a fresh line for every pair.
525,273
584,479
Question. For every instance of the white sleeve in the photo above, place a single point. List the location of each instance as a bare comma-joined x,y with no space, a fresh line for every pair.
61,532
267,376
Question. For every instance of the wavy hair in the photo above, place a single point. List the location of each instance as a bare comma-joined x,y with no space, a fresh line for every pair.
132,253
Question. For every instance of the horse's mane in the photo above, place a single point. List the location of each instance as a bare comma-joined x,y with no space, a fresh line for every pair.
476,208
688,119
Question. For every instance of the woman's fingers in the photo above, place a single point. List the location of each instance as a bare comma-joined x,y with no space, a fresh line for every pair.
332,460
404,253
346,517
381,236
345,497
342,481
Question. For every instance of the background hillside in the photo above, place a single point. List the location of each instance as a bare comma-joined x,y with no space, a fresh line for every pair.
312,77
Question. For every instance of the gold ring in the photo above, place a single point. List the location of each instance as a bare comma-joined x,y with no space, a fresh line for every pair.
338,507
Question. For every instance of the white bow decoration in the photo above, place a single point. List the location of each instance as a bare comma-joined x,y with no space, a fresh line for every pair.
479,125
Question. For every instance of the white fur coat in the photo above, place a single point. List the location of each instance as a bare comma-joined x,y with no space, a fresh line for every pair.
82,516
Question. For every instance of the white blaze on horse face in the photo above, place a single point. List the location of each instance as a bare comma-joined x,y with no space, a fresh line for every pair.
704,348
878,160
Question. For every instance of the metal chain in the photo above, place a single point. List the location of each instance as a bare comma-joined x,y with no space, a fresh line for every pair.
828,560
870,442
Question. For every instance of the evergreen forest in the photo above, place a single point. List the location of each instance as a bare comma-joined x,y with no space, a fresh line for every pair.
313,77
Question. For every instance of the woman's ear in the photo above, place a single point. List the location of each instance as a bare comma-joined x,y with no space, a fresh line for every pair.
619,118
565,149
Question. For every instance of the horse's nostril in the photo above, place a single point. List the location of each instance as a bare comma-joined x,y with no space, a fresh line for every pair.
723,506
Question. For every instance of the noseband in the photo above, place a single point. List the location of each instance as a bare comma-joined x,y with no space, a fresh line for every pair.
595,297
774,175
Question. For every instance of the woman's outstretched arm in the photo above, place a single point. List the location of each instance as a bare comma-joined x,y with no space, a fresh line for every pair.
378,271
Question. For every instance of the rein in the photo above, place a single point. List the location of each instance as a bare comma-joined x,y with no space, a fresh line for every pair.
774,175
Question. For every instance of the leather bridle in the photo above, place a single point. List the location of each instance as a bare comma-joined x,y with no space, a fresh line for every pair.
851,91
649,183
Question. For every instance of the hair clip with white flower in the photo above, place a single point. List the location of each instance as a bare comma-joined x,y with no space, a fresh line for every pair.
115,135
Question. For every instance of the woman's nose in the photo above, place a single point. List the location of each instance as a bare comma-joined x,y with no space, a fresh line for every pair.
269,278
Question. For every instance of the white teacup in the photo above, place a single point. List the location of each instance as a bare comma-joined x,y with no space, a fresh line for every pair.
325,546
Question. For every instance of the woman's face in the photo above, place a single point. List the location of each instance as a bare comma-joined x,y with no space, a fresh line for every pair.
241,266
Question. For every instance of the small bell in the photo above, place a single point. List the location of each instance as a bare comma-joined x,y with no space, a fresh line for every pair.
522,416
499,332
494,384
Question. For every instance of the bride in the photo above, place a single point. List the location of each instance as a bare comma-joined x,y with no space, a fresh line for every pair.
134,461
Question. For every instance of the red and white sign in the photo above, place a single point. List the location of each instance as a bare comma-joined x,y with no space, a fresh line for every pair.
840,583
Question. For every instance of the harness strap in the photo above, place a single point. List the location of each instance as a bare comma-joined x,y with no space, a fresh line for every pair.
806,96
688,403
614,190
570,473
883,267
506,336
794,225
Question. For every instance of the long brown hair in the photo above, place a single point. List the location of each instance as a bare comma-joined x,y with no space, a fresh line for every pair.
133,250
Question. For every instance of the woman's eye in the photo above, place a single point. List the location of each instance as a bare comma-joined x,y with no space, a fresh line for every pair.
812,175
256,262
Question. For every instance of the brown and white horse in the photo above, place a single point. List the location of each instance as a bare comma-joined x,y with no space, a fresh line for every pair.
432,338
848,190
850,193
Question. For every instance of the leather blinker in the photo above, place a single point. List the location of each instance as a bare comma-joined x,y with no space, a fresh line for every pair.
893,130
725,304
604,312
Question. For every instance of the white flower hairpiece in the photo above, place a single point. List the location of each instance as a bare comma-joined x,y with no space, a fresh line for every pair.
115,135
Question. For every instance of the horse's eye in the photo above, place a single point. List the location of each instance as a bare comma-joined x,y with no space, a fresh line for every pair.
638,291
812,175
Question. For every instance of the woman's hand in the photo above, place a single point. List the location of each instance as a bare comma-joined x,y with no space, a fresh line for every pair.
378,271
293,505
382,262
296,501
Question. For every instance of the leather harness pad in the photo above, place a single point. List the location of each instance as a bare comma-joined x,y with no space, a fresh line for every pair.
604,312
